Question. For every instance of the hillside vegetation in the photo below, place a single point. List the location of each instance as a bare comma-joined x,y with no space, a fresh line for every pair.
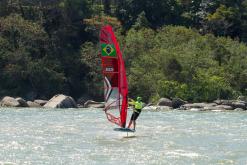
195,50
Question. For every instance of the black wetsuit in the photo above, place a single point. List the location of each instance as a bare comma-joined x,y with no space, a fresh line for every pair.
136,114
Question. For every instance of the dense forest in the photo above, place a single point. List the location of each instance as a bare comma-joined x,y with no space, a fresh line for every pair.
194,50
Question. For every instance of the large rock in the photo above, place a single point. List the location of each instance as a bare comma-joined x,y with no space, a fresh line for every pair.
239,104
9,102
232,103
223,102
242,98
94,104
198,105
238,109
177,102
165,102
33,104
209,108
197,109
224,107
23,103
41,102
82,100
61,101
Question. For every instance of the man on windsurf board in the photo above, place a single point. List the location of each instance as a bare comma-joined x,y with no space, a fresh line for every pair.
138,105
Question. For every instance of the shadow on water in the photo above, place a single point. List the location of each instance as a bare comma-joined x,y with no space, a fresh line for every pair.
129,137
133,137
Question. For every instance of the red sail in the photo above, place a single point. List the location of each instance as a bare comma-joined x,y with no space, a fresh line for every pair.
116,86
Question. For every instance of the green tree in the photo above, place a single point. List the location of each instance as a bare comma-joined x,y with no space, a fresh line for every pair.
141,21
92,65
159,12
225,21
179,62
23,52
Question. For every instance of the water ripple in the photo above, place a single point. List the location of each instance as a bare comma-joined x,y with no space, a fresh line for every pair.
84,136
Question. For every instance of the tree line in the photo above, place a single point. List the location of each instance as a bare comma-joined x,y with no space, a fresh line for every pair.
195,50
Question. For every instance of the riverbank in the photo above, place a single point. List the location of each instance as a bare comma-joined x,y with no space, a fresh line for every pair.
63,101
57,101
218,105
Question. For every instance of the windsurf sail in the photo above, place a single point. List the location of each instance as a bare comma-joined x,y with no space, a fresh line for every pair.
115,81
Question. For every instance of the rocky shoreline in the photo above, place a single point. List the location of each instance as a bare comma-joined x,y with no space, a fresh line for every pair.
57,101
63,101
218,105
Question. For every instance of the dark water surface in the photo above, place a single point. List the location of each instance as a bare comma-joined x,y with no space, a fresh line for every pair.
84,136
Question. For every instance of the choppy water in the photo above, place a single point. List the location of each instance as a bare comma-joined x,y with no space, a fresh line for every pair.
83,136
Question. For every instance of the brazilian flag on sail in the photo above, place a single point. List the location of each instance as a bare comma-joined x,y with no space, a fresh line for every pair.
108,50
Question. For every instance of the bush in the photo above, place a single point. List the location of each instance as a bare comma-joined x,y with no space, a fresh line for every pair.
179,62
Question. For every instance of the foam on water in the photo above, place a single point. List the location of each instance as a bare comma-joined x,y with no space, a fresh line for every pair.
84,136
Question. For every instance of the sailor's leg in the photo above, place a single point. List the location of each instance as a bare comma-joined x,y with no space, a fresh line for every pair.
131,120
130,123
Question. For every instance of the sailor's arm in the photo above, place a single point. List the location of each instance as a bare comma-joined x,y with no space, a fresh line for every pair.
131,101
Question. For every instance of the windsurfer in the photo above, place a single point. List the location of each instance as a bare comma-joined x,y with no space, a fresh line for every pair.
138,105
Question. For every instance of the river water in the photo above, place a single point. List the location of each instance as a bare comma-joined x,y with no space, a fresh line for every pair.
84,136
